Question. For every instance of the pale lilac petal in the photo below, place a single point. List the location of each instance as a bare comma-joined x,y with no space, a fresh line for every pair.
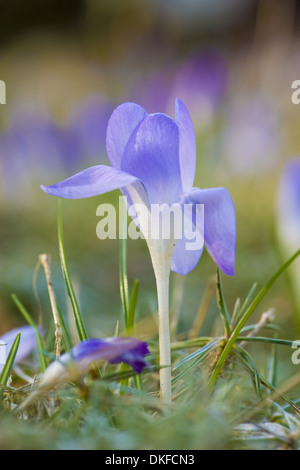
93,181
135,194
187,145
219,225
189,247
27,342
120,126
183,260
152,155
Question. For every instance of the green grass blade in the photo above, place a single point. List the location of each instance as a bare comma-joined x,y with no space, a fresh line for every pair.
128,373
9,363
222,304
191,343
77,315
239,313
132,308
235,333
65,334
274,366
30,321
248,360
199,353
124,291
267,326
236,310
129,329
263,339
273,389
130,325
128,302
186,370
192,363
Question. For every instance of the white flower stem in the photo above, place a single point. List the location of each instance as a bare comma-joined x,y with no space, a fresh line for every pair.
162,283
161,251
161,264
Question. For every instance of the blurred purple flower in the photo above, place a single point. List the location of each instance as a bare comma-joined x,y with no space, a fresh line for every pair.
85,129
33,138
288,206
35,143
152,91
154,160
31,143
27,342
201,82
251,139
76,363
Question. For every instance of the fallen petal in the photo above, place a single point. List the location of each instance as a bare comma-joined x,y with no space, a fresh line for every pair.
76,363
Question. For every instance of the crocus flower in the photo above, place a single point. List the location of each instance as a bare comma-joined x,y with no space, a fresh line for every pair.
27,342
288,217
153,161
78,361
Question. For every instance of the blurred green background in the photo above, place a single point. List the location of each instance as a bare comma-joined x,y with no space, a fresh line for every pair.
67,64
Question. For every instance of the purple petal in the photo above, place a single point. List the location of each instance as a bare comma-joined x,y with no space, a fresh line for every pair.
77,362
114,350
187,145
121,125
135,194
189,248
152,155
93,181
219,225
27,342
184,260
